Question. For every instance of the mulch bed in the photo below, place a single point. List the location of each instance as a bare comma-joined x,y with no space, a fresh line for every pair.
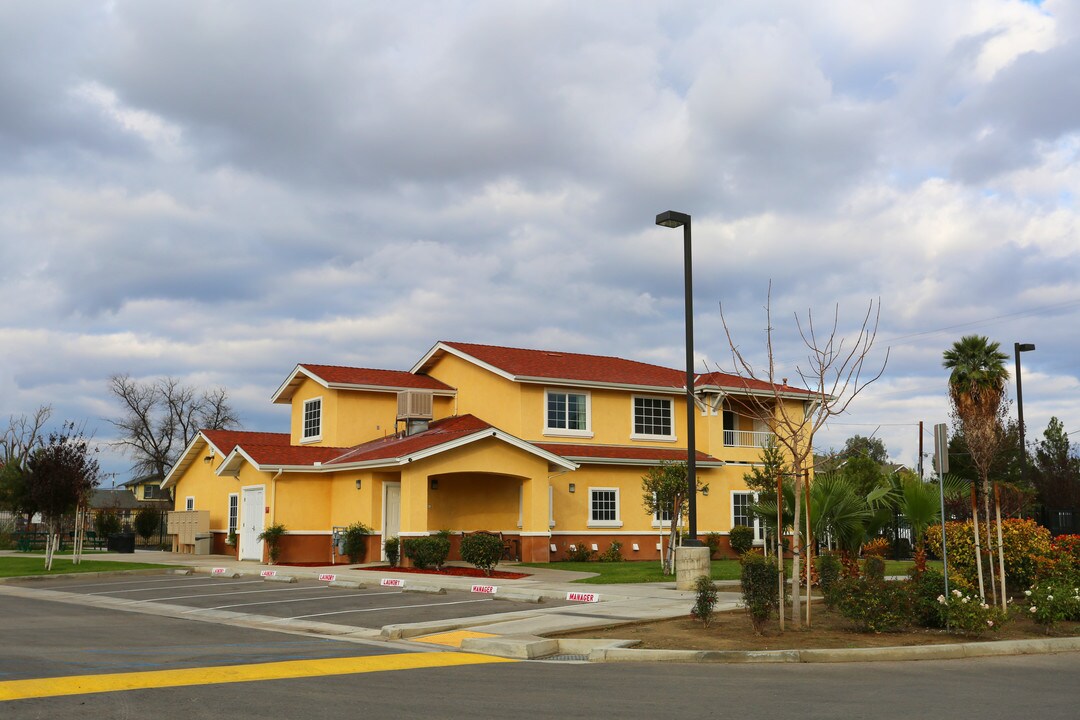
454,571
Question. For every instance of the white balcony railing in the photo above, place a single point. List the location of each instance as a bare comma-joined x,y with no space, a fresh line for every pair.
746,438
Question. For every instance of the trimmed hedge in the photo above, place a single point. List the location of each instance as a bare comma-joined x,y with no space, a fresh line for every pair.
483,550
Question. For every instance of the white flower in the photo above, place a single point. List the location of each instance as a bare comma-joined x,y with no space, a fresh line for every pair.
984,606
941,599
1049,597
990,623
1026,592
965,600
1033,608
957,593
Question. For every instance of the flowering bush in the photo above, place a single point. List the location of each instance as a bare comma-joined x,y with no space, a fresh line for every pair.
705,599
874,568
969,614
925,588
1024,540
878,547
1049,603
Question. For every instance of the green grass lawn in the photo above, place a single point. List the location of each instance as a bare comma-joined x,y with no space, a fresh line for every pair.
649,571
18,566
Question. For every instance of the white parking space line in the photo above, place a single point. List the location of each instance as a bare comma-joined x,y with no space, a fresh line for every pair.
275,602
128,582
173,587
237,592
396,607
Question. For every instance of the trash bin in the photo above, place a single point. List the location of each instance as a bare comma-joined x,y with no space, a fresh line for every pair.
204,543
121,542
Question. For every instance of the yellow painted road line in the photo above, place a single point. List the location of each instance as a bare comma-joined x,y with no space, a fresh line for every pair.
118,682
451,639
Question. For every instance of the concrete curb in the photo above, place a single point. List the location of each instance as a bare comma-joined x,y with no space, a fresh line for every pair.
839,655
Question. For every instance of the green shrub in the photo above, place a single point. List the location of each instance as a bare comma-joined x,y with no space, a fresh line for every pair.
969,614
1050,603
874,568
147,522
427,552
829,569
925,589
272,535
580,552
714,540
741,539
484,550
354,541
392,548
106,523
612,554
760,591
705,600
874,605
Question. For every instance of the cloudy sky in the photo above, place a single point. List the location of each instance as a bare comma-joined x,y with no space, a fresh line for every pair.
217,191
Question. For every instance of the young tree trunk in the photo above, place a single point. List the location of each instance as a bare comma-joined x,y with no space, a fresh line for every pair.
1001,546
780,545
978,548
809,552
989,543
796,585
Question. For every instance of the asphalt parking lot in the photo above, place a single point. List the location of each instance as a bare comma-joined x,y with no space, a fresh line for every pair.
369,606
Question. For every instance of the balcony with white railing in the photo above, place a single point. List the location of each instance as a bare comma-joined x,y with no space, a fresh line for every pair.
747,438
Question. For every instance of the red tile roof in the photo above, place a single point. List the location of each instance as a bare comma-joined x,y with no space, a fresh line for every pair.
369,376
597,368
296,455
438,433
226,440
613,452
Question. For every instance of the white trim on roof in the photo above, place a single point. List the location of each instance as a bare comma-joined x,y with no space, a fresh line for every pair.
231,465
441,346
183,463
359,387
636,461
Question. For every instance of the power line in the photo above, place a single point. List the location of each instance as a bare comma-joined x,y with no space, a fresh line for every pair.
1022,313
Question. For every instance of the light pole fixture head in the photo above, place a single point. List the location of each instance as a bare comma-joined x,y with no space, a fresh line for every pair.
1024,347
672,219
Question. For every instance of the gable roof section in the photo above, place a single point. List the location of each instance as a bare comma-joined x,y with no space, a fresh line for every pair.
440,436
546,366
220,442
625,455
338,377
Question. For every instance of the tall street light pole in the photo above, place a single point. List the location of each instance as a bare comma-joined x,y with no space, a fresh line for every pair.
1017,349
674,219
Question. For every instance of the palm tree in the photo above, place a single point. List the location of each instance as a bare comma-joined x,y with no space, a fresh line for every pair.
920,504
977,390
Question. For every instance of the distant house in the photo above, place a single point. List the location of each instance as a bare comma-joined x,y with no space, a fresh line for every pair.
148,488
124,503
547,448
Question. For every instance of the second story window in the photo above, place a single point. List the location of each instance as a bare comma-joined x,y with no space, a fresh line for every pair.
652,418
567,413
312,430
149,492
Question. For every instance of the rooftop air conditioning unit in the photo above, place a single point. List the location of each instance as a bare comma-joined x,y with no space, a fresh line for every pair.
414,405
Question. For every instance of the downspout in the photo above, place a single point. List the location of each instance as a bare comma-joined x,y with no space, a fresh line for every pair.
273,496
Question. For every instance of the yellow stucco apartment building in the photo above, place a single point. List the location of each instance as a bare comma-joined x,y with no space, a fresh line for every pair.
547,448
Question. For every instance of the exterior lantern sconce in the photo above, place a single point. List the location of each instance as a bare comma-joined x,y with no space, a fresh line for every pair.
208,458
573,487
358,484
434,484
705,491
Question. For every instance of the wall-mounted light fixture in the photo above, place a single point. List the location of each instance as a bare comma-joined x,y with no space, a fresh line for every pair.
573,487
208,458
434,484
358,484
705,491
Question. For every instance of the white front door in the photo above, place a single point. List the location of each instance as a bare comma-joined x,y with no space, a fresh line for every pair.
391,512
252,514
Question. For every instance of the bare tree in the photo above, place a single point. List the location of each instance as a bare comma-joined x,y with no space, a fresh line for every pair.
22,435
832,377
160,417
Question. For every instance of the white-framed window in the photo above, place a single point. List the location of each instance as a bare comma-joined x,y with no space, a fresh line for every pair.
654,418
234,512
567,412
312,424
741,514
662,517
189,502
149,492
604,507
